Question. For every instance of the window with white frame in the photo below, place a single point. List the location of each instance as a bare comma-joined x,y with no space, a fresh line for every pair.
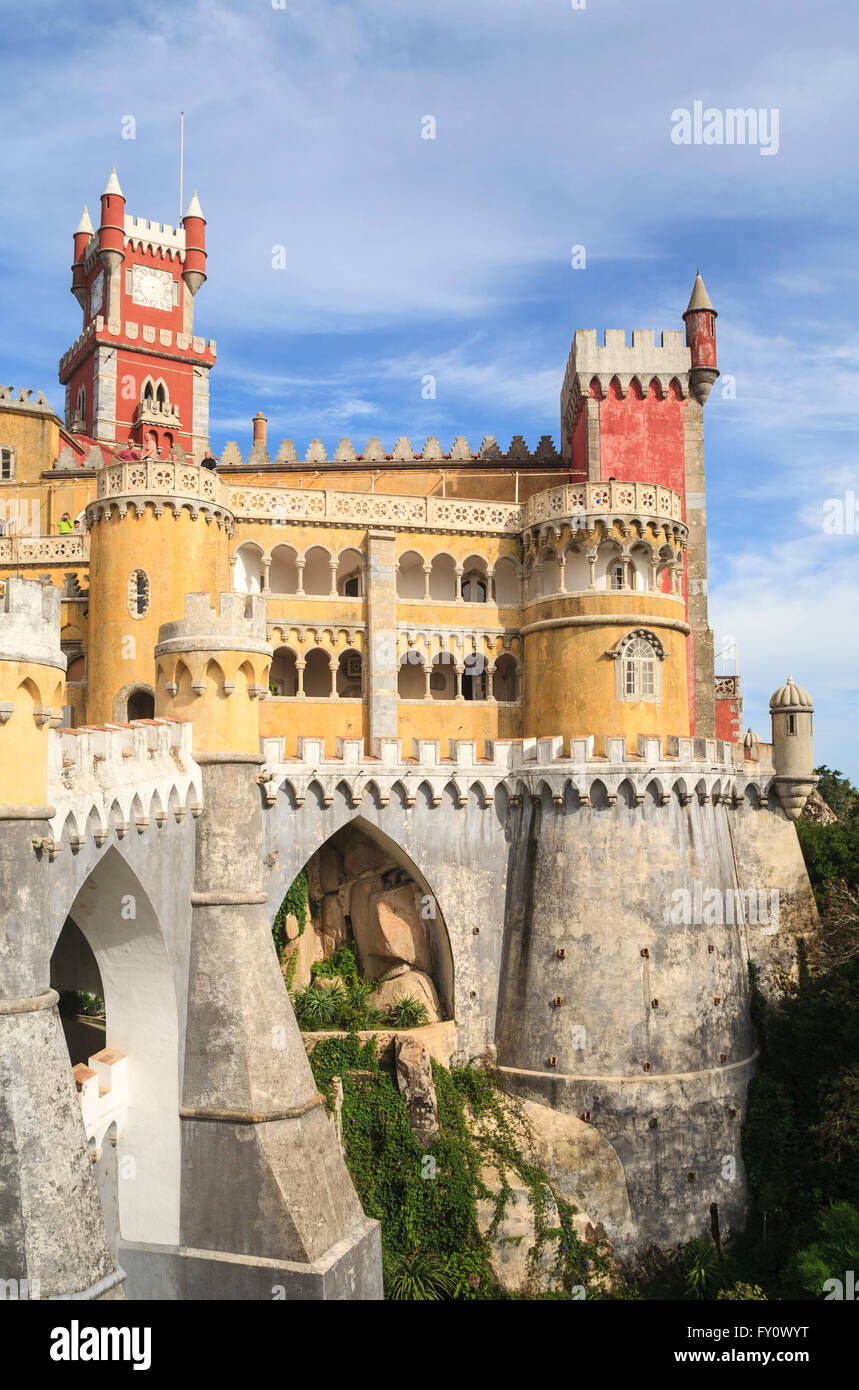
7,464
639,670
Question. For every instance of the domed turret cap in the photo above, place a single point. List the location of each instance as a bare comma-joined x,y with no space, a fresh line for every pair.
791,696
750,739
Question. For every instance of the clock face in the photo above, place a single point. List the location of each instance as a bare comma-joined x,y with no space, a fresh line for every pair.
152,289
96,294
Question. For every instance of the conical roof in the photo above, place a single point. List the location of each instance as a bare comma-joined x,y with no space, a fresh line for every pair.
194,209
791,696
700,298
85,225
112,185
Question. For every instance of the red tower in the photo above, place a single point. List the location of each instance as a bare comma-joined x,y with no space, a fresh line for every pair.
633,413
137,371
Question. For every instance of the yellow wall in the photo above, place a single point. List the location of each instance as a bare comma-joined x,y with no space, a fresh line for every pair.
569,685
287,718
180,556
23,741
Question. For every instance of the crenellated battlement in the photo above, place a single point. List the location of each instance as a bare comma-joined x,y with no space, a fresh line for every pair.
30,623
516,455
239,624
649,768
24,399
106,779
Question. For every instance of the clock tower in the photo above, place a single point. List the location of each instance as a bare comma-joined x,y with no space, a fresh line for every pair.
137,371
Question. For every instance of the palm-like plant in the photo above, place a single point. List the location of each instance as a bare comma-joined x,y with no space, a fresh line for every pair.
700,1267
408,1012
420,1276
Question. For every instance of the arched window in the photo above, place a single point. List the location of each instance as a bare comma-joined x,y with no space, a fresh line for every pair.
639,670
317,675
283,679
161,394
80,404
350,684
474,677
141,704
411,677
639,657
505,681
474,587
148,390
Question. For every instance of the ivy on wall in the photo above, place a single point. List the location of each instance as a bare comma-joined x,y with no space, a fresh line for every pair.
426,1201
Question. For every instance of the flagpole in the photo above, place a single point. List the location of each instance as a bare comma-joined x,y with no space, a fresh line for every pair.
181,164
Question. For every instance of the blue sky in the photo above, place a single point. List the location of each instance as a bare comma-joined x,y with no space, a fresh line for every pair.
406,256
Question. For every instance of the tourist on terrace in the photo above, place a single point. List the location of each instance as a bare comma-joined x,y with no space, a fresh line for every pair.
209,461
65,525
130,454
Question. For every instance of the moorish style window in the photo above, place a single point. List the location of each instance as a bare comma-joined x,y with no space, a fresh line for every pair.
639,656
138,593
639,671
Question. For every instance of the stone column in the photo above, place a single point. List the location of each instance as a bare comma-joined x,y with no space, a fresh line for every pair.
427,677
266,575
299,565
299,671
381,635
52,1232
427,573
263,1175
52,1235
332,588
696,588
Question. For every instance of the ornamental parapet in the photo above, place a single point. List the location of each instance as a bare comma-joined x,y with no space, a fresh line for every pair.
44,550
164,484
585,501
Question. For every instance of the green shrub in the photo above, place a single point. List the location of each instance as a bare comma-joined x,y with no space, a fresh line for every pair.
319,1008
419,1276
699,1262
407,1013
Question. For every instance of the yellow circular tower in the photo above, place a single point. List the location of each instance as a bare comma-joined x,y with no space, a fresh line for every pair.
158,531
604,621
212,669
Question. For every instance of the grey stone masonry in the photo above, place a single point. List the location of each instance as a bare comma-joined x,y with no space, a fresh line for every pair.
381,634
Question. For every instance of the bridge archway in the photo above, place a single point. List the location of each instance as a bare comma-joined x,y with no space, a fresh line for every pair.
364,890
115,916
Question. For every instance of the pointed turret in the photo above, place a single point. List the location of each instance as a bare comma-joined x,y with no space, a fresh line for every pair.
700,319
111,234
112,185
791,711
85,224
82,239
194,271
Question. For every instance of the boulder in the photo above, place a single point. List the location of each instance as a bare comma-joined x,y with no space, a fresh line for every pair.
412,984
334,931
309,949
387,924
414,1079
586,1171
330,869
290,926
516,1236
363,856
